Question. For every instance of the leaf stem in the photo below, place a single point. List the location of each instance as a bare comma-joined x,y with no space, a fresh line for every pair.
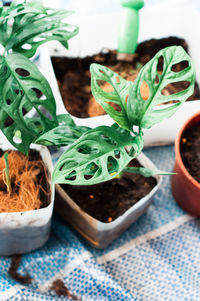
7,173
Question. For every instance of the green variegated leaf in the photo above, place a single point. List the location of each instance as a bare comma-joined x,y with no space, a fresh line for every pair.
33,26
97,156
146,113
21,13
62,135
27,105
118,97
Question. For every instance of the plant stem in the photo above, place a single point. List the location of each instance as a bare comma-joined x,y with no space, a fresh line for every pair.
7,173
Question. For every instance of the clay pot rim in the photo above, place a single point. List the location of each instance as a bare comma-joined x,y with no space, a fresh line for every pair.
177,149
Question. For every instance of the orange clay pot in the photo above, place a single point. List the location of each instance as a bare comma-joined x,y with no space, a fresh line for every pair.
185,189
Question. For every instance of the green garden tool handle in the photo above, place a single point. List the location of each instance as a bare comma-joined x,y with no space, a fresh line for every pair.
129,29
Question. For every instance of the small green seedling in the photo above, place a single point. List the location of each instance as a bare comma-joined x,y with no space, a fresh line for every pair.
27,104
100,154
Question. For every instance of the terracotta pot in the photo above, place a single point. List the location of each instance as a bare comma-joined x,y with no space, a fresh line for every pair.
97,233
185,189
23,232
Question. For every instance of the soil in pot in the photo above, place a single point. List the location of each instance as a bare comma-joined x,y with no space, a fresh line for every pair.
73,75
190,150
30,187
109,200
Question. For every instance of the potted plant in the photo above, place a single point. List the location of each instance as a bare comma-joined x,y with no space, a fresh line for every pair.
186,181
104,153
79,58
27,110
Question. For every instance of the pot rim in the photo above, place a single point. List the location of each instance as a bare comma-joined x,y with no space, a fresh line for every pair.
179,160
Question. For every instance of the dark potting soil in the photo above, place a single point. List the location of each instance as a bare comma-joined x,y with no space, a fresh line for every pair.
73,74
190,150
15,263
109,200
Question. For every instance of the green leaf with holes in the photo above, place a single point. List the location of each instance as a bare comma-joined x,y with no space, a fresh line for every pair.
114,102
146,113
33,26
97,156
62,135
27,105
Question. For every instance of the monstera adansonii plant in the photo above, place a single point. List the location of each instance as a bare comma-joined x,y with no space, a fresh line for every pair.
103,153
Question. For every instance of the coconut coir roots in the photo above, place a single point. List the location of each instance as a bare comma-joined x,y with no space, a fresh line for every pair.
29,181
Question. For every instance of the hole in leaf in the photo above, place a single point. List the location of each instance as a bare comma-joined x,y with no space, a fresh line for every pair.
115,106
105,86
26,46
180,66
38,39
38,93
8,122
156,81
17,137
91,168
160,65
45,112
176,87
88,177
22,72
108,139
31,113
8,101
126,98
41,16
17,91
85,149
71,176
169,104
117,80
112,165
144,90
101,71
117,154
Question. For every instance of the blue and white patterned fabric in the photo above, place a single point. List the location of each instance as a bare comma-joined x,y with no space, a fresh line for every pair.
156,259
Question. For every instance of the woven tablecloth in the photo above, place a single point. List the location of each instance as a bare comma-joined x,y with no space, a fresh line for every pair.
156,259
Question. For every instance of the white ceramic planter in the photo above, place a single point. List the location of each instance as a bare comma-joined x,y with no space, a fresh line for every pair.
156,22
97,233
22,232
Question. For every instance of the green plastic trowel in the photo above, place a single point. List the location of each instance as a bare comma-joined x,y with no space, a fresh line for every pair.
129,29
